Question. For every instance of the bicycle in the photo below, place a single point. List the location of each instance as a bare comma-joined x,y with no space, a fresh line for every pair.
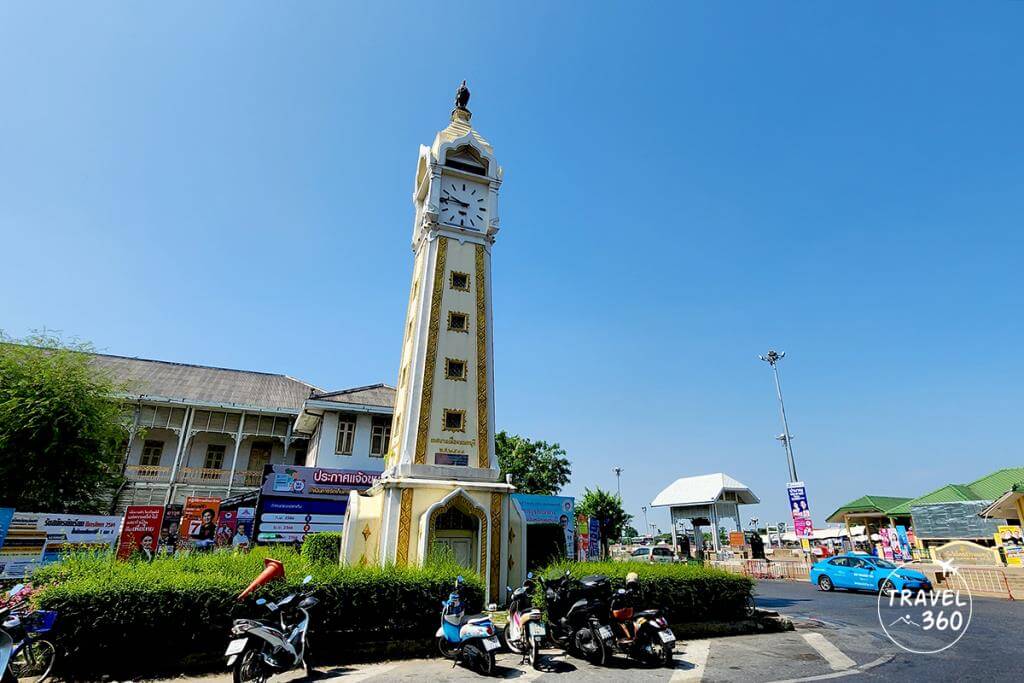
33,657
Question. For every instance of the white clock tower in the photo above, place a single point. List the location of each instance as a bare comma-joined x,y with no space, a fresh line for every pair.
442,483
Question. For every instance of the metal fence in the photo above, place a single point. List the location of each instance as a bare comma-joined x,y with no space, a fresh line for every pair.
765,569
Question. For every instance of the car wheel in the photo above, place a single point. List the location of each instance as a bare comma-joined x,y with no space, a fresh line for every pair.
887,587
825,583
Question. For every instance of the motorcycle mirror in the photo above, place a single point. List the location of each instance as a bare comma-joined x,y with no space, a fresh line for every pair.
622,591
261,601
459,580
492,607
567,572
309,577
529,575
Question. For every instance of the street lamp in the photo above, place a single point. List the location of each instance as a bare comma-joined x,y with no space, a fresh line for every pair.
618,486
647,525
773,358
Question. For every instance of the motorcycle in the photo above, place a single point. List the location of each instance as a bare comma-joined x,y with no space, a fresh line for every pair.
642,635
261,648
525,630
578,614
473,641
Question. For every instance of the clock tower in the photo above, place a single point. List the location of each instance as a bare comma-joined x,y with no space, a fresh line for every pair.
442,482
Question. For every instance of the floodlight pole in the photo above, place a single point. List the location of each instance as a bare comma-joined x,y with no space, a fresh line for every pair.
618,485
773,358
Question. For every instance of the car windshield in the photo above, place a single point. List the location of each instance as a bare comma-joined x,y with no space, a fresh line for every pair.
884,564
641,551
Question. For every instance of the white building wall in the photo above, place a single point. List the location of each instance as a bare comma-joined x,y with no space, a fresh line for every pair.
360,459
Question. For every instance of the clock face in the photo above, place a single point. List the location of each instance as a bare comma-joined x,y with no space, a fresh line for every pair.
463,203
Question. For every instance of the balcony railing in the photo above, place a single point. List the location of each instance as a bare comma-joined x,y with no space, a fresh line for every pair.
194,475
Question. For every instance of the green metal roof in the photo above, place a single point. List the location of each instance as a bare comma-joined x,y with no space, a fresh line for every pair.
947,494
989,487
875,505
996,484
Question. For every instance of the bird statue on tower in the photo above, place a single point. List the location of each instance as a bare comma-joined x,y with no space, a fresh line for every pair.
462,97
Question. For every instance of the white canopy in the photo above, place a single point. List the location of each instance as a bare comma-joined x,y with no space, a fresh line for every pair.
705,489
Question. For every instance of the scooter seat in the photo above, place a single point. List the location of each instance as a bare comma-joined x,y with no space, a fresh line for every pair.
478,620
648,614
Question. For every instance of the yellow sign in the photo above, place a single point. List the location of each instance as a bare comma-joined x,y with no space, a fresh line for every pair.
963,553
805,543
1009,537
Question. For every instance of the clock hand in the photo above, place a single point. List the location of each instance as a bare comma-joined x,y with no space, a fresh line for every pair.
453,199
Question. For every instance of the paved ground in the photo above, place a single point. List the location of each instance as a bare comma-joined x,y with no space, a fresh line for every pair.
837,636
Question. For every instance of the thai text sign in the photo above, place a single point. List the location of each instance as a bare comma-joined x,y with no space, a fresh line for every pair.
293,481
140,532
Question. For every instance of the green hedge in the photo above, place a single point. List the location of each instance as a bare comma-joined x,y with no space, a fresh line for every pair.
323,547
133,619
686,592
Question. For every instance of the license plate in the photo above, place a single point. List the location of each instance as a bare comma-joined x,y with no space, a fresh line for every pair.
491,643
538,629
606,633
667,636
236,646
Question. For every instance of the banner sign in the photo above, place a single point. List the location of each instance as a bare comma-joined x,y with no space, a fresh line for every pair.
243,529
798,506
140,532
1009,537
559,510
293,481
35,539
198,526
169,528
288,520
594,551
6,515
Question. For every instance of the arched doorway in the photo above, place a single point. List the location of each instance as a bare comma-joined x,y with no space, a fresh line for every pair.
460,526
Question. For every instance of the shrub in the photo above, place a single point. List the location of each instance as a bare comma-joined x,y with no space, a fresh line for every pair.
131,619
323,547
686,592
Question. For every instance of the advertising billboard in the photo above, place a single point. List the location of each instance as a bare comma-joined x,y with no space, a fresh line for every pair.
800,509
198,526
559,510
36,538
140,532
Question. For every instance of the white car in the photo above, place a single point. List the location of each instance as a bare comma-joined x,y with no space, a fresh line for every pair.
658,553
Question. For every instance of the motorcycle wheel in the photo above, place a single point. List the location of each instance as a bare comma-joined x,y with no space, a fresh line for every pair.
535,654
478,659
513,645
250,668
445,648
589,644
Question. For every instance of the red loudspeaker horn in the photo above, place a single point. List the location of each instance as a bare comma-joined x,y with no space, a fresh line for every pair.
272,569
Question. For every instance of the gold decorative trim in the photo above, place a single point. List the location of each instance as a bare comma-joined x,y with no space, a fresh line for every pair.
465,316
469,506
451,281
496,546
482,419
461,377
444,420
404,524
423,429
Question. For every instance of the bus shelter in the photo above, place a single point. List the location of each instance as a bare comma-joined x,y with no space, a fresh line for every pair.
705,500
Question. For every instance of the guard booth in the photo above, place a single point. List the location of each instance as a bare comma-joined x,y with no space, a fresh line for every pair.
705,500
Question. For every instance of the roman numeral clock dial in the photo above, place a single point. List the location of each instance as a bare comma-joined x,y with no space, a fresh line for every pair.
463,204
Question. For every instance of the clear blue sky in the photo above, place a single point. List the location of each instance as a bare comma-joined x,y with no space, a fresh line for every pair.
686,185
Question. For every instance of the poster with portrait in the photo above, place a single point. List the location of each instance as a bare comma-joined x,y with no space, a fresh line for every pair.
800,509
1009,538
169,528
198,527
246,518
140,532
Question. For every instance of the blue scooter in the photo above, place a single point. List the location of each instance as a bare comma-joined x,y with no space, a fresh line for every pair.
473,641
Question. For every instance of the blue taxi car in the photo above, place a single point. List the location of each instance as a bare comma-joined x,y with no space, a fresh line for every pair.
866,572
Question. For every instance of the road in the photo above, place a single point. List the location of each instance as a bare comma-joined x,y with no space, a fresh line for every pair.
837,636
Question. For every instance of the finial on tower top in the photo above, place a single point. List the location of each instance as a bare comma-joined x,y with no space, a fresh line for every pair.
461,100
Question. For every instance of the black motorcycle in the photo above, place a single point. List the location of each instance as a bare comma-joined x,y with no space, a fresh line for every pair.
578,615
640,634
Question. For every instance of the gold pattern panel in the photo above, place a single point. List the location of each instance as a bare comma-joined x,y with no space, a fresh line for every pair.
496,546
404,525
482,419
423,428
466,505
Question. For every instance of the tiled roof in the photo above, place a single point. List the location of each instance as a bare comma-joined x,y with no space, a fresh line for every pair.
989,487
203,384
379,395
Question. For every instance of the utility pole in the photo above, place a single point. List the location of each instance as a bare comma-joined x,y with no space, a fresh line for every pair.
773,358
647,525
618,485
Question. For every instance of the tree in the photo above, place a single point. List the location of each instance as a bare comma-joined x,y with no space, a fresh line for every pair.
606,508
61,428
629,532
535,466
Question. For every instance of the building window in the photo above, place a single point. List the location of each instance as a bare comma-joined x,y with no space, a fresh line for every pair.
346,434
455,368
454,420
458,322
152,451
214,461
259,456
380,437
300,456
459,281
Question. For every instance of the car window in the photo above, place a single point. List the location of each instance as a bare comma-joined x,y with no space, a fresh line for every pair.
860,564
840,562
662,551
641,551
884,564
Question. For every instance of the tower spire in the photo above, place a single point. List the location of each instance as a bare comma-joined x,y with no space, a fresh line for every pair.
461,100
